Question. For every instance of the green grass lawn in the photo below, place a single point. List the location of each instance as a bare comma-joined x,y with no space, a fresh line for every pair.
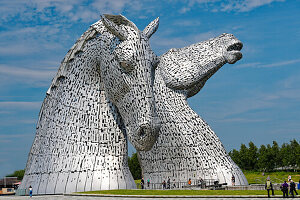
258,178
252,177
276,177
183,192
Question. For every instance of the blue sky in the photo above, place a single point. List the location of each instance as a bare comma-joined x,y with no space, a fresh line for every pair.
257,99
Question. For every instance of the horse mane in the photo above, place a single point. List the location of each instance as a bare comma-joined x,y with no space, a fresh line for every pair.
94,29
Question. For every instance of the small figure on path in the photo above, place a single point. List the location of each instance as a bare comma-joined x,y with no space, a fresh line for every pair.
285,189
169,184
142,183
164,184
289,178
201,183
293,188
30,191
269,186
190,182
233,180
299,185
148,183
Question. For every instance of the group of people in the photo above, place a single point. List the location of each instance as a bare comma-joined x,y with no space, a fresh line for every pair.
143,183
285,187
166,185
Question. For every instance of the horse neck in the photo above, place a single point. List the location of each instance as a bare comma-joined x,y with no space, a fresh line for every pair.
77,121
173,109
173,102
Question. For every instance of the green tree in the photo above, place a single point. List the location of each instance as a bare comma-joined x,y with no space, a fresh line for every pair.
134,166
276,155
284,153
262,158
267,158
297,155
293,158
270,164
252,157
244,157
18,173
235,156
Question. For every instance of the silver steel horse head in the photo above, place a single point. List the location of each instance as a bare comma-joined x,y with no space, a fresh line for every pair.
189,68
127,69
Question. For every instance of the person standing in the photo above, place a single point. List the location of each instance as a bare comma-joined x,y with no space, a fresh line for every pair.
164,184
190,182
299,185
169,184
233,180
174,185
148,183
293,188
142,183
201,183
285,189
289,178
30,191
269,186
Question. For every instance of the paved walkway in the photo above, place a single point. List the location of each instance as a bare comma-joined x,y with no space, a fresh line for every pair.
61,197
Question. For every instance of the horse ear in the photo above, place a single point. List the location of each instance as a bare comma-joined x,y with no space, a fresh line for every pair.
114,28
151,28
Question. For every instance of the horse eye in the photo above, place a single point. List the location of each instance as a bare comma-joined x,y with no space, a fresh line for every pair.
155,62
126,66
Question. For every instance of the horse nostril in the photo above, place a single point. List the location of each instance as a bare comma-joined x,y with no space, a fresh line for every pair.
142,132
237,46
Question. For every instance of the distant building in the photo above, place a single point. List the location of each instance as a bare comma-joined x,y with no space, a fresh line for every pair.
9,182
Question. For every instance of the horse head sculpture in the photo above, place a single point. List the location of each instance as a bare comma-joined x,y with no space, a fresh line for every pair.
187,148
101,96
128,75
188,68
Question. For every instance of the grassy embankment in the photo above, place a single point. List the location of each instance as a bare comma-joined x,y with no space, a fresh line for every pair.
276,177
257,178
183,192
252,177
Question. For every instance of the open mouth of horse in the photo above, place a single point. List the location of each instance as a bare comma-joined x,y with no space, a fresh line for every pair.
233,53
237,46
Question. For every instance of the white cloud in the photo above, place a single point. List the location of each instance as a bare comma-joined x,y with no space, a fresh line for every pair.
27,75
66,10
246,65
283,63
20,105
108,6
184,10
242,109
45,31
245,5
244,120
277,64
11,136
291,82
4,112
89,11
187,22
28,40
227,5
11,122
